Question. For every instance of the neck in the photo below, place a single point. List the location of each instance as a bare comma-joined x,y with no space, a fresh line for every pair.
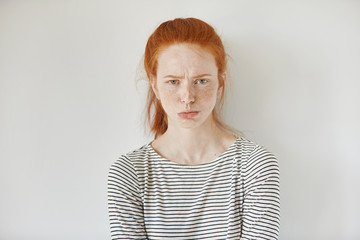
194,137
193,146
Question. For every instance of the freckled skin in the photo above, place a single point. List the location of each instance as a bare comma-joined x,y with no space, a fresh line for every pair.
185,63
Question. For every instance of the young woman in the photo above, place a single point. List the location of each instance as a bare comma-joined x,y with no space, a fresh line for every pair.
196,179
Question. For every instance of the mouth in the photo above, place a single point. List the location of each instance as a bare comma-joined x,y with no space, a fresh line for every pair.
188,115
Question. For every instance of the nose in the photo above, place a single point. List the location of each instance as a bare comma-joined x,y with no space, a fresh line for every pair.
187,93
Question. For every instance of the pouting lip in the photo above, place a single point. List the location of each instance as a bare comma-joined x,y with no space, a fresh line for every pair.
188,112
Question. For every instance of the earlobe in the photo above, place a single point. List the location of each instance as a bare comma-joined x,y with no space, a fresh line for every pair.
222,79
153,86
224,76
219,91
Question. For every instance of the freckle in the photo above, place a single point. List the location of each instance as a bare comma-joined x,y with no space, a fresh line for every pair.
208,92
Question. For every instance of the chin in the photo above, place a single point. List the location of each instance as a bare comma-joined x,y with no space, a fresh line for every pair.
191,123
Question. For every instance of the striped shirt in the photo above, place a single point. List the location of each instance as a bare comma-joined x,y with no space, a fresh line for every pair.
235,196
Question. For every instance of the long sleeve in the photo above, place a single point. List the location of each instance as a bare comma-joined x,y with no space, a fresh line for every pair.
124,202
261,206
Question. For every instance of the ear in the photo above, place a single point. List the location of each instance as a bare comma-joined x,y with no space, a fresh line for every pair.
222,80
153,86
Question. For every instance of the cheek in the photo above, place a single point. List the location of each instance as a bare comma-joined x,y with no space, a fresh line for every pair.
167,96
209,95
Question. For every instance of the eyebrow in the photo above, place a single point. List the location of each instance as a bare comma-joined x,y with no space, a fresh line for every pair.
197,76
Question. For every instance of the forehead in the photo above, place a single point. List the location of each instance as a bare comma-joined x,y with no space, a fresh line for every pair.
189,58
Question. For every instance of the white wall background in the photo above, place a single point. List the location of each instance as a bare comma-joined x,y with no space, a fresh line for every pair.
69,106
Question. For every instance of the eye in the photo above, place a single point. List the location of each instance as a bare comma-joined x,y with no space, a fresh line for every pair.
173,82
201,81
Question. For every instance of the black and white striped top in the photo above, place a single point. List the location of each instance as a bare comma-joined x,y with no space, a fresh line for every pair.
235,196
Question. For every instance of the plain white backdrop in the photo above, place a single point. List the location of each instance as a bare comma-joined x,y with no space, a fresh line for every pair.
70,105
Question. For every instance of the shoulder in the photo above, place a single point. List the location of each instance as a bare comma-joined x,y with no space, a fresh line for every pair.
253,154
126,163
245,144
133,156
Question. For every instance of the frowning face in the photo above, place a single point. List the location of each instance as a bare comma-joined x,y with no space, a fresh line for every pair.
187,84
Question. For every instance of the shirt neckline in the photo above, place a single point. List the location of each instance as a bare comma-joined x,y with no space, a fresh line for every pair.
169,162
